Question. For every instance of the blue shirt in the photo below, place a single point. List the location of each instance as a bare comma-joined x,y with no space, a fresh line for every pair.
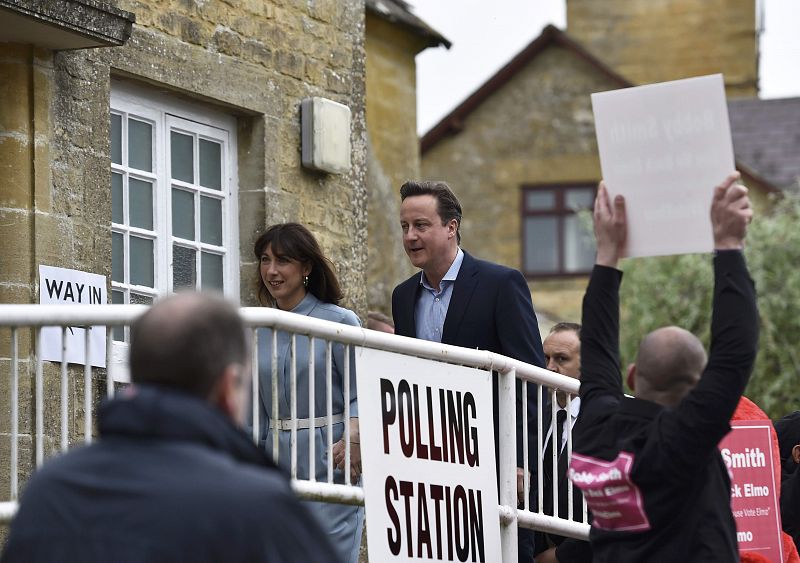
431,306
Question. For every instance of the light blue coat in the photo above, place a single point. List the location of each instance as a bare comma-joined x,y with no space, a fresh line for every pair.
343,523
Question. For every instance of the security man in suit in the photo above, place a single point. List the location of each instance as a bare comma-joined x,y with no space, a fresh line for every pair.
460,300
562,354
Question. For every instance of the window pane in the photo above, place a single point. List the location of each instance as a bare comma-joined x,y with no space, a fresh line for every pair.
140,145
211,266
536,200
182,214
118,298
182,157
184,267
578,245
211,221
117,258
139,299
140,210
116,198
116,139
579,198
541,244
210,164
141,266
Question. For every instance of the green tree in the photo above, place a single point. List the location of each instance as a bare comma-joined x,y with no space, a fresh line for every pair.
676,290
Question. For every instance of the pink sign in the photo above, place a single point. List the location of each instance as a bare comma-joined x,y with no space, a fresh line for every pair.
615,501
747,452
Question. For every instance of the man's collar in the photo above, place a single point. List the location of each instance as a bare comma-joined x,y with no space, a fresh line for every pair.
452,272
574,407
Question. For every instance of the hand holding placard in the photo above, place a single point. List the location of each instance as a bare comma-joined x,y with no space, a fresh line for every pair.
610,227
730,214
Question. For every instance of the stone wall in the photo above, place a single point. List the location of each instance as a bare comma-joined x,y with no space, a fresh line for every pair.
656,40
258,60
394,151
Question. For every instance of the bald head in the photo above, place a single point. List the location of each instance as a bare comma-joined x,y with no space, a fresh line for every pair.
186,342
668,365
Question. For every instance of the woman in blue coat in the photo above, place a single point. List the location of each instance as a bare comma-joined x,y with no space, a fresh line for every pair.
295,276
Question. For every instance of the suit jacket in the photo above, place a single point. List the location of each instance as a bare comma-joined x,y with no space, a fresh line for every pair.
562,481
490,309
568,550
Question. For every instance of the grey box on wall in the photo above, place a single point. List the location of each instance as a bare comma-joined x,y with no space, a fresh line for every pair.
325,127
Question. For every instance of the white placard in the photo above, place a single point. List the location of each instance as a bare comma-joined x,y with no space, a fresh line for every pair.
61,286
427,447
664,147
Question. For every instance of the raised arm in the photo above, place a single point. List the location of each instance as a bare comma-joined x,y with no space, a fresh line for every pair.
702,418
600,330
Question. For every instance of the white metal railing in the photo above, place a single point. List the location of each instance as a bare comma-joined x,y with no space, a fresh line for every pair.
17,318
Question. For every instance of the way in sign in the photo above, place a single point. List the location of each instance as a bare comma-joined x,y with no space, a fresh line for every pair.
68,291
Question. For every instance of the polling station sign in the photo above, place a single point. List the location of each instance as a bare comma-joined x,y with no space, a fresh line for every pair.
62,286
427,449
747,452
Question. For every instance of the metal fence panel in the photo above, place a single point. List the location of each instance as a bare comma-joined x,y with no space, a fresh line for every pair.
15,317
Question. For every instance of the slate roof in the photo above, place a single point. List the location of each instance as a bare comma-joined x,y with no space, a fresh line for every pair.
766,138
400,12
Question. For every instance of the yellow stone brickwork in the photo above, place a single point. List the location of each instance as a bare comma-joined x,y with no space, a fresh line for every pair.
394,150
657,40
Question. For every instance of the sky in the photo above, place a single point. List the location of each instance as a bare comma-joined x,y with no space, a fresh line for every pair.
486,34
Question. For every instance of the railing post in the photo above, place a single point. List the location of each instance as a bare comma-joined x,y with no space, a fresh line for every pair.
507,448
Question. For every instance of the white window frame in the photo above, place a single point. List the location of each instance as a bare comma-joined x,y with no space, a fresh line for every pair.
165,113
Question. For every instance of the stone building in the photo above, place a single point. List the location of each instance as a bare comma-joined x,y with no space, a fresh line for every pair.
161,159
521,150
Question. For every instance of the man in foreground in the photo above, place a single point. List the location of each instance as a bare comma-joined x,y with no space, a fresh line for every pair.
172,477
648,466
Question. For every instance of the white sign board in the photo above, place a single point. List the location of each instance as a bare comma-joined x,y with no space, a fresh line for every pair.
665,147
427,449
61,286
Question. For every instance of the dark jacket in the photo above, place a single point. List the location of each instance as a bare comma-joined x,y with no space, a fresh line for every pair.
790,501
490,309
170,479
652,476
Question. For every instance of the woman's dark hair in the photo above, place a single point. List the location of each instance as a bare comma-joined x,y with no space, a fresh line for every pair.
293,240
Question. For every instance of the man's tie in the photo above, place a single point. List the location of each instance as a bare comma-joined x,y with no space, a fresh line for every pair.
555,439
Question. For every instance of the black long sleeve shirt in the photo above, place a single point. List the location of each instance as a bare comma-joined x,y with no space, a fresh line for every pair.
652,476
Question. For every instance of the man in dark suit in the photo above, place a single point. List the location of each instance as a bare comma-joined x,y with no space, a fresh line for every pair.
788,430
562,354
459,300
